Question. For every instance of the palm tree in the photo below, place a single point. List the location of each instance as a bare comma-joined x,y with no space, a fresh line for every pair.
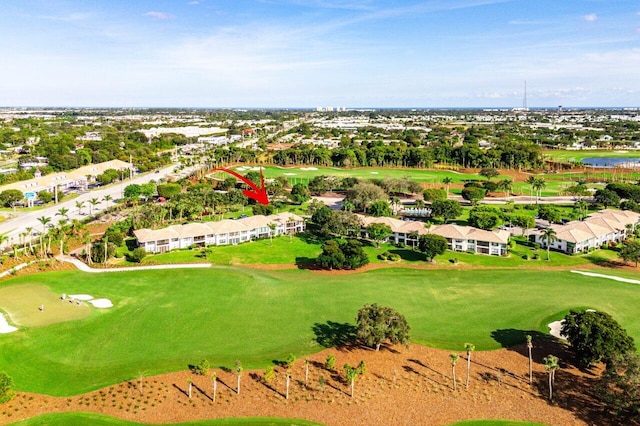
93,202
414,237
447,181
238,371
469,347
214,384
79,206
44,221
506,185
63,211
581,205
395,202
549,236
454,358
3,239
107,198
539,185
86,239
61,233
551,365
29,231
531,180
530,346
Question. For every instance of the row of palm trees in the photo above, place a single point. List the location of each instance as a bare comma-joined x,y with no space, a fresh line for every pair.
551,365
64,230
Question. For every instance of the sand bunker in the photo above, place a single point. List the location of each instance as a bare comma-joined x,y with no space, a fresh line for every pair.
4,326
84,297
307,169
101,303
97,303
289,174
554,329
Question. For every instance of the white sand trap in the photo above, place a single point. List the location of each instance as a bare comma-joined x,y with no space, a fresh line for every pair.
609,277
5,327
101,303
84,297
554,329
375,173
308,169
256,169
289,174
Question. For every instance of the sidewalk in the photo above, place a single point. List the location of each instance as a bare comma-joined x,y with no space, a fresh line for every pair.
85,268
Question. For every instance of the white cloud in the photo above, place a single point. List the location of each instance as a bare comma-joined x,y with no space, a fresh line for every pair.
592,17
72,17
160,16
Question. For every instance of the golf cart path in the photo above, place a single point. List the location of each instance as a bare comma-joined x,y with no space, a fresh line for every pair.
610,277
85,268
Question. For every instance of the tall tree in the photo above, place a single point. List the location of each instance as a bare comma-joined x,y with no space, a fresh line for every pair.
549,236
551,365
432,245
538,185
620,385
379,232
44,221
595,336
454,359
446,209
238,370
630,251
93,203
530,347
447,181
377,324
469,347
79,206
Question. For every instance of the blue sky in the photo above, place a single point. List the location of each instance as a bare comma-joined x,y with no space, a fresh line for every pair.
307,53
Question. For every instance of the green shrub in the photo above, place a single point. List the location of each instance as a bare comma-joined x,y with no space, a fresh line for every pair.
6,387
202,368
330,363
137,255
394,257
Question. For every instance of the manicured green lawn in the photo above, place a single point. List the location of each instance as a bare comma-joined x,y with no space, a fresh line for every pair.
302,250
82,419
279,251
567,156
164,320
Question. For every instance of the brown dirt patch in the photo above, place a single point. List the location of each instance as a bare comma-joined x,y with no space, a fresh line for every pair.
401,386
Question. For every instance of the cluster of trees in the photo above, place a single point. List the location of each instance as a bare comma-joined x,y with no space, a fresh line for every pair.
597,337
342,254
415,152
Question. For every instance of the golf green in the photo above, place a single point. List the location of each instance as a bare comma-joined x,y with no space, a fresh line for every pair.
164,320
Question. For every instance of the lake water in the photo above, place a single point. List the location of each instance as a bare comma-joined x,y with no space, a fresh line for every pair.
611,162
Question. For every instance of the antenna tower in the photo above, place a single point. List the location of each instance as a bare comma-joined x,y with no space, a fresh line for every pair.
524,99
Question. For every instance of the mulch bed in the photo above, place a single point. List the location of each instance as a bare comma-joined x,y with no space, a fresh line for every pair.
401,386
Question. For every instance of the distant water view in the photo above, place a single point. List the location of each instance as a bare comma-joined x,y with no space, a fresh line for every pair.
611,162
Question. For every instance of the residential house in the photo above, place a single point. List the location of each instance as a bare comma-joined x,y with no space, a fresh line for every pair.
459,238
223,232
604,227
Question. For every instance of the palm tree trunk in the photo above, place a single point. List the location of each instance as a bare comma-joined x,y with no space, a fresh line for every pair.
453,375
530,367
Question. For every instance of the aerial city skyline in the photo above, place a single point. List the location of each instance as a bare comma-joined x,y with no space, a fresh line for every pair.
295,53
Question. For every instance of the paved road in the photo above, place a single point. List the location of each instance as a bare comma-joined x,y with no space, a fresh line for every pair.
19,221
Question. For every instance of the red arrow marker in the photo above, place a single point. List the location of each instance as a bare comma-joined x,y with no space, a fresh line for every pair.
258,194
